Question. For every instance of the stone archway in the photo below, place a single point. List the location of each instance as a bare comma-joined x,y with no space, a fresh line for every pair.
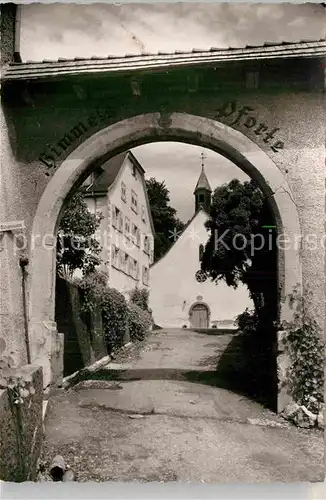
199,315
111,141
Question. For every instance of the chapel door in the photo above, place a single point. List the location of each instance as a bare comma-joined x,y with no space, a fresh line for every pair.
199,316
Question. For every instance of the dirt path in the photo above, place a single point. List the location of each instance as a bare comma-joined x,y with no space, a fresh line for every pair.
158,417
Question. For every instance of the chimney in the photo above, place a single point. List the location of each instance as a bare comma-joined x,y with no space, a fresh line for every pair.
10,33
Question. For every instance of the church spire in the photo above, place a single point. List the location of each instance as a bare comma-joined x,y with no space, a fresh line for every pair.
202,190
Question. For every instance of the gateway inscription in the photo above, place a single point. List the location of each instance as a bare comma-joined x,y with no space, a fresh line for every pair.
230,110
241,116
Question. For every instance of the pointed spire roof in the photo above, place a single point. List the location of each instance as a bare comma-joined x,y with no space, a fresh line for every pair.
202,182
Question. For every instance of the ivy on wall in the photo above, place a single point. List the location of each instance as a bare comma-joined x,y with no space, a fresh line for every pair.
306,349
303,343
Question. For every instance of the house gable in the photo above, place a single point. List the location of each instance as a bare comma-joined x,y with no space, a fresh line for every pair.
193,233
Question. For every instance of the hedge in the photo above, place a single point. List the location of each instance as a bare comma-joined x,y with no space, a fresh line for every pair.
119,317
139,322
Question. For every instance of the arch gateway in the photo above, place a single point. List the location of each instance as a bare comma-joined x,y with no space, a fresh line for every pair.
261,107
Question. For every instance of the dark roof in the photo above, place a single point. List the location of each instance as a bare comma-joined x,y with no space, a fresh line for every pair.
162,60
107,174
104,181
202,182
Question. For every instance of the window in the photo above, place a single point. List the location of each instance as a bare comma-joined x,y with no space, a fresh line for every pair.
121,259
115,212
89,181
136,235
129,266
134,269
134,201
143,213
123,192
201,252
133,233
115,256
127,228
145,275
120,222
201,198
117,218
146,245
134,170
124,262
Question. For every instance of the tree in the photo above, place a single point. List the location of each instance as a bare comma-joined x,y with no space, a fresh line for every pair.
242,249
166,224
242,244
76,246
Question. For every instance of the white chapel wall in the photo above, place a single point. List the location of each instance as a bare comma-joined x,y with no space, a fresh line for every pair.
174,288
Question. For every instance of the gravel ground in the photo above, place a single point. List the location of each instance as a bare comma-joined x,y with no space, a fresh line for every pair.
143,419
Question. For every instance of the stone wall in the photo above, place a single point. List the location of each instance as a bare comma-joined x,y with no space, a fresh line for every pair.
83,340
32,432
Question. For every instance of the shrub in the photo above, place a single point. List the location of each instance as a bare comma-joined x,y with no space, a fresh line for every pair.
139,296
247,322
139,322
118,316
93,287
257,357
95,291
19,385
115,318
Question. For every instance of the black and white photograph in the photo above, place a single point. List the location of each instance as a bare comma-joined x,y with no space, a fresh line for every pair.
162,242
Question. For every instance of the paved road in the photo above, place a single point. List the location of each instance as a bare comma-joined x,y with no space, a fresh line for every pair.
160,418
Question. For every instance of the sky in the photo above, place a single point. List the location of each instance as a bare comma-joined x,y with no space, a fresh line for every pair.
179,165
70,30
50,31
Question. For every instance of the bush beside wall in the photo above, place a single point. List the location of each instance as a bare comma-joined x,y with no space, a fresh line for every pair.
31,435
115,318
139,322
140,296
97,320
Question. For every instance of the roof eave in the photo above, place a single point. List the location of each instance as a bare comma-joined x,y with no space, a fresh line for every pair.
157,62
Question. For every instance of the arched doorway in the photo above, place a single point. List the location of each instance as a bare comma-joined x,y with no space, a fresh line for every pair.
124,135
199,315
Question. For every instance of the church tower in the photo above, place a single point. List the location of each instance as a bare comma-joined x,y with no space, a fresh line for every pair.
203,190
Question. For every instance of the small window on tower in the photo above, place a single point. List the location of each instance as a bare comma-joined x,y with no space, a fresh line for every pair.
201,198
201,252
